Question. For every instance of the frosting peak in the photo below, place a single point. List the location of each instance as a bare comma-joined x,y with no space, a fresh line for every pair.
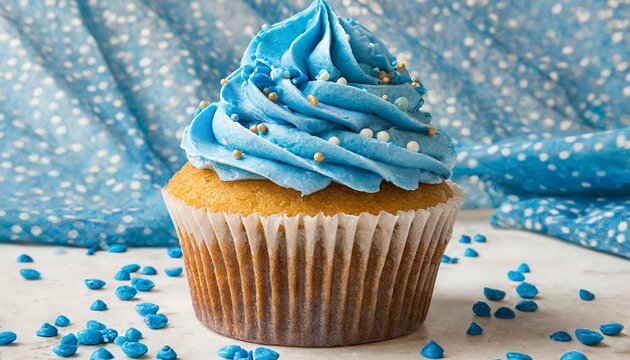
318,99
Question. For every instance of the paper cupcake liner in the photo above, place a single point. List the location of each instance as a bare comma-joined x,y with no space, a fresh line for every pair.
313,280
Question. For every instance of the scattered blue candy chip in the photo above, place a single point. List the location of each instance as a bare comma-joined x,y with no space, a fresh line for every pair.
93,324
98,305
134,349
588,337
166,353
30,274
573,355
141,284
464,239
504,313
263,353
62,321
524,268
446,259
526,306
561,336
174,272
454,260
47,330
493,294
69,339
24,258
65,350
90,251
130,268
480,238
586,295
231,352
474,329
125,292
122,275
156,321
133,334
117,248
94,284
470,252
109,335
149,270
120,340
515,275
611,329
174,252
480,308
432,350
7,337
101,354
146,308
517,356
526,290
90,337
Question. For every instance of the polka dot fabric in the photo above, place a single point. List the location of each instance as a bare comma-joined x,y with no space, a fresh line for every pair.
95,96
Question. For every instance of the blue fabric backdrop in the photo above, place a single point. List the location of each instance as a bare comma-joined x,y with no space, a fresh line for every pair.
95,95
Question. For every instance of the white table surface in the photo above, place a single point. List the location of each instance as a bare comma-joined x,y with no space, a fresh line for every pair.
559,269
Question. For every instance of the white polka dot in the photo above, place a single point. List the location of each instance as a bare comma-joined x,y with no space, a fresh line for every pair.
564,155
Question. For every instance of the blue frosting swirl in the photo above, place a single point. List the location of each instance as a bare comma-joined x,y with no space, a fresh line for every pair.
308,79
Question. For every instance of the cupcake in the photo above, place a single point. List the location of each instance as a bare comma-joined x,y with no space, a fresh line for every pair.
316,204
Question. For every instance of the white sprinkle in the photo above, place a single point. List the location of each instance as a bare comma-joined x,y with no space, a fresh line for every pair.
382,136
334,140
413,146
402,102
342,81
367,133
347,37
265,27
323,75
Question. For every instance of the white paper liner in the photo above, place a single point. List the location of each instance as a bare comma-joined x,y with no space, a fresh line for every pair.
313,280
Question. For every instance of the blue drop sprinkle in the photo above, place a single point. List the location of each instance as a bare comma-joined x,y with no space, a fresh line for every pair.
573,355
231,352
146,308
125,292
30,274
7,337
122,275
69,339
62,321
480,238
130,268
526,290
117,248
464,239
515,275
109,335
174,252
561,336
493,294
141,284
524,268
24,258
262,353
586,295
90,251
101,354
480,308
611,329
149,270
446,259
470,252
93,324
90,337
94,284
65,350
133,334
120,340
98,305
174,272
526,306
454,260
517,356
504,313
166,353
156,321
588,337
47,330
134,349
432,350
474,329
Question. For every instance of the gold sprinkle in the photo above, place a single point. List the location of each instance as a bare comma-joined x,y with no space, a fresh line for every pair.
386,80
253,129
381,74
237,154
401,66
262,128
273,96
415,84
432,131
223,82
314,100
386,97
318,157
203,104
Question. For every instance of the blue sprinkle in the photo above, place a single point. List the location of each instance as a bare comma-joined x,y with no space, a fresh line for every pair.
174,252
454,260
526,306
146,308
141,284
120,340
101,354
149,270
588,337
47,330
94,284
109,335
125,292
611,329
133,334
432,350
122,275
69,339
493,294
464,239
231,352
474,329
480,308
7,337
524,268
446,259
515,275
173,272
561,336
65,350
24,258
573,355
90,337
90,251
262,353
469,252
134,349
166,353
30,274
130,268
156,321
526,290
480,238
62,321
586,295
117,248
98,305
93,324
504,313
517,356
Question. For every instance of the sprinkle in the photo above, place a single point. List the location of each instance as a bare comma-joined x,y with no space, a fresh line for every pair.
7,337
24,258
504,313
526,290
122,275
400,66
342,81
231,352
131,268
561,336
380,74
69,339
524,268
526,306
314,100
402,102
65,350
120,340
446,259
93,324
133,334
432,131
265,27
253,129
493,294
573,355
515,275
334,140
273,96
141,284
173,272
385,97
517,356
125,292
481,308
98,305
109,335
237,154
318,157
94,284
62,321
90,251
323,75
262,128
382,136
454,260
117,248
47,330
30,274
464,239
149,270
262,353
101,354
347,37
611,329
203,104
156,321
478,238
588,337
166,353
474,329
224,82
174,252
234,117
415,83
146,308
386,80
586,295
469,252
413,146
432,350
367,132
134,349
